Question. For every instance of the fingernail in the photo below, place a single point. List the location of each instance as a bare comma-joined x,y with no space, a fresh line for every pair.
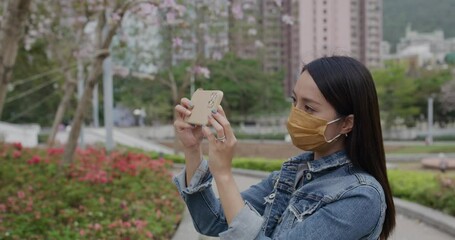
214,111
188,112
193,125
191,105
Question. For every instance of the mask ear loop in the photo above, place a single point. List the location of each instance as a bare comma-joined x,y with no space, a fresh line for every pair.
337,136
333,139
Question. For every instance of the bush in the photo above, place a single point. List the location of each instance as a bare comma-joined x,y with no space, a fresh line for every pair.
267,136
260,164
426,188
436,138
101,196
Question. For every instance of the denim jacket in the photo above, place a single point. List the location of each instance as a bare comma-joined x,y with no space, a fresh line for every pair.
333,200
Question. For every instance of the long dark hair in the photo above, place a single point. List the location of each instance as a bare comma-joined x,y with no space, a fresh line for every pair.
348,86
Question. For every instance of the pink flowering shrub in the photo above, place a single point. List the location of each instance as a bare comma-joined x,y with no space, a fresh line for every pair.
120,195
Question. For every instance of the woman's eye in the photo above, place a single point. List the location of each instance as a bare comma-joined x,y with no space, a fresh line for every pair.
294,101
308,109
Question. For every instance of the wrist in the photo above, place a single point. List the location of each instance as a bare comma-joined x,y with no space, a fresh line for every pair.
194,149
221,177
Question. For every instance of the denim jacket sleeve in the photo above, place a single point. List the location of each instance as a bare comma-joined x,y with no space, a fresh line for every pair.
207,213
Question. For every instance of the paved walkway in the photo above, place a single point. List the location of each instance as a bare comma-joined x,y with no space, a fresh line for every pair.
406,229
98,135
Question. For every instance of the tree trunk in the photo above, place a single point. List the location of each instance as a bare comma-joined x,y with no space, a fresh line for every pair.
11,30
70,86
84,102
103,43
175,100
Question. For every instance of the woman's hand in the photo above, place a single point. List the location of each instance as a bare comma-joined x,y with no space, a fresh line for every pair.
221,145
221,152
190,135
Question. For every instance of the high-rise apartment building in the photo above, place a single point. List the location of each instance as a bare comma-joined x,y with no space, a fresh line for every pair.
342,27
264,34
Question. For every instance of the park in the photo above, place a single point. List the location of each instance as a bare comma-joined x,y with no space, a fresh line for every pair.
88,149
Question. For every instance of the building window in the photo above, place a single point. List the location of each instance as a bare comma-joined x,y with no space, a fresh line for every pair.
325,47
325,2
325,11
325,20
325,29
325,38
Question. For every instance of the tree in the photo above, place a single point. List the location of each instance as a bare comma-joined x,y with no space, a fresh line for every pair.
33,91
430,84
396,93
105,30
248,89
65,40
10,34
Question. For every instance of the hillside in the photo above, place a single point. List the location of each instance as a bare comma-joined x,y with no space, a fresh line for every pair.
423,15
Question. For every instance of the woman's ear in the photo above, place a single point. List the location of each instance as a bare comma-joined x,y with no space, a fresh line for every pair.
348,124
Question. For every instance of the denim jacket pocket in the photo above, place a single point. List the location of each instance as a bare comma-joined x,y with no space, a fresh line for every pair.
305,207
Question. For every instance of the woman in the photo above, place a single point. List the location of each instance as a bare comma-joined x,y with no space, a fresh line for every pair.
336,189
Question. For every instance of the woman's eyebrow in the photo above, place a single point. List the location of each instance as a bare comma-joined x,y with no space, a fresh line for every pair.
308,100
305,99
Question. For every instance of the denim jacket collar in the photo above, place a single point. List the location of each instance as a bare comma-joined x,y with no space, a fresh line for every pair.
336,159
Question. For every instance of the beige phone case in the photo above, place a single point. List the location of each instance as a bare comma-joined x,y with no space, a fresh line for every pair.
204,101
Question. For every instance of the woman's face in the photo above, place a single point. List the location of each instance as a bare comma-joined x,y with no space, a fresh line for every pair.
307,97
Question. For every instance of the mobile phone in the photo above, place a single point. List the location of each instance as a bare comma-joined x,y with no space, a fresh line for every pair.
204,102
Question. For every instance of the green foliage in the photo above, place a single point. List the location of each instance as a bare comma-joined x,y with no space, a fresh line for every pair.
426,188
40,105
151,95
248,90
437,138
117,196
405,97
396,94
268,136
260,164
450,58
425,149
429,83
425,16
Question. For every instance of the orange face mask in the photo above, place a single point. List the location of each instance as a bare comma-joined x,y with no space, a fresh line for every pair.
307,131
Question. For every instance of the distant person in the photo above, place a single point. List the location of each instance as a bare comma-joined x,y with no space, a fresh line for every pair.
443,165
336,189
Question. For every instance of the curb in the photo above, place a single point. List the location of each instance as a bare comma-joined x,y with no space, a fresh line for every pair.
429,216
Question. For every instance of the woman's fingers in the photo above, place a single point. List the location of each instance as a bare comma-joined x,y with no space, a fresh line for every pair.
182,111
218,128
221,111
186,103
181,125
208,134
222,120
